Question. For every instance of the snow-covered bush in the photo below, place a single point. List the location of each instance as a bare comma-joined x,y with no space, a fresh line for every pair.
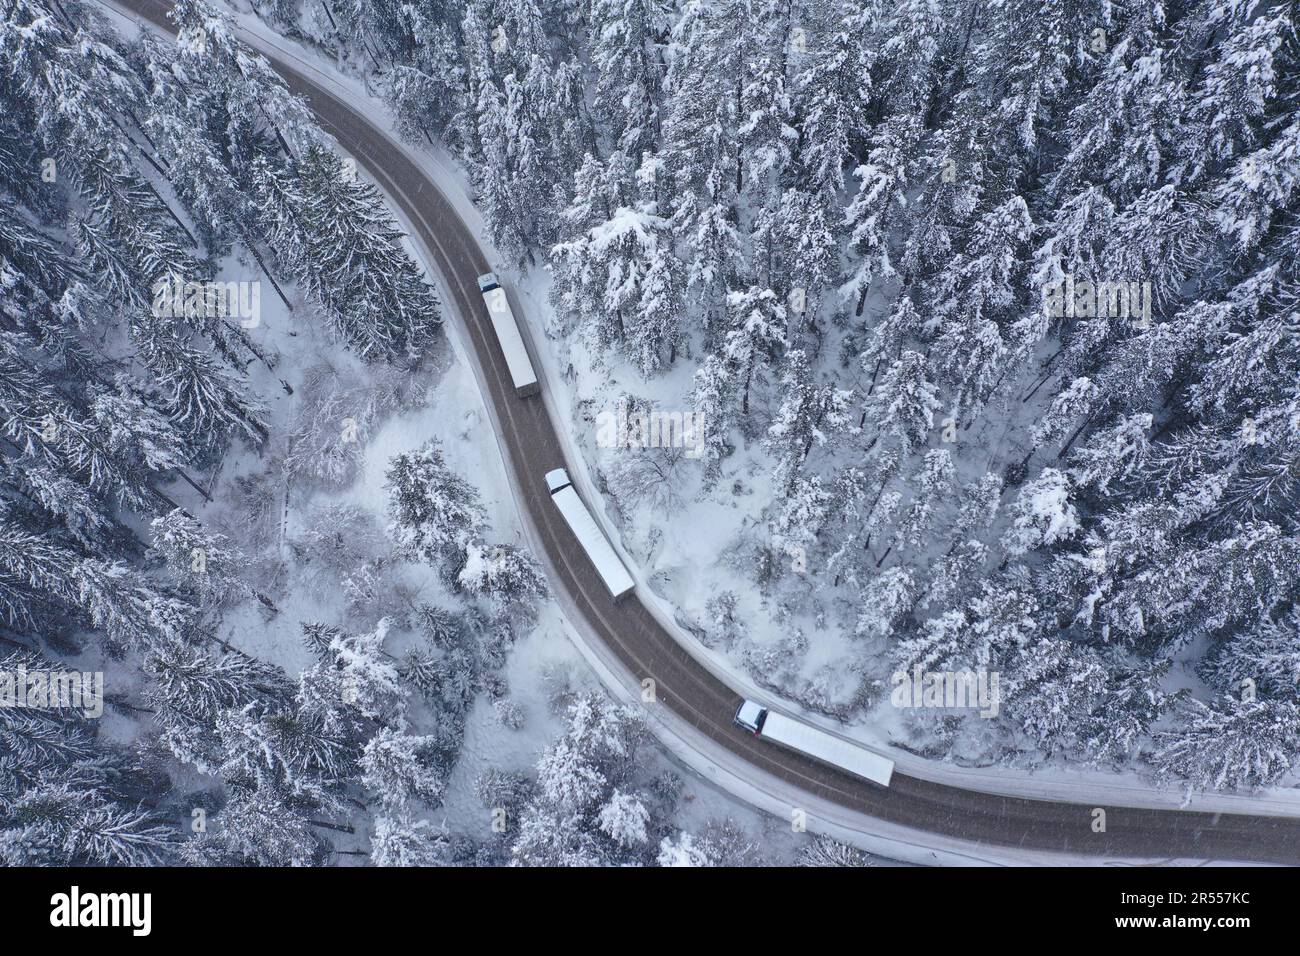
333,418
503,573
509,713
337,538
823,851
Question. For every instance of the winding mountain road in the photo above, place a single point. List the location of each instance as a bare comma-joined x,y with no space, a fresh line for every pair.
646,649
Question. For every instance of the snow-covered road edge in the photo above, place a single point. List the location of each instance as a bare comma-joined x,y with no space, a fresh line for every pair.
1099,789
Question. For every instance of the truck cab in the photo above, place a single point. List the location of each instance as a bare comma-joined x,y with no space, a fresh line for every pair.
487,282
750,716
557,479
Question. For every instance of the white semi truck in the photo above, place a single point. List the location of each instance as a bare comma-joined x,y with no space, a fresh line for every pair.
508,336
814,742
580,521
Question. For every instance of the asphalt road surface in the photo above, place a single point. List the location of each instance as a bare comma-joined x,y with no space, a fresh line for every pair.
685,685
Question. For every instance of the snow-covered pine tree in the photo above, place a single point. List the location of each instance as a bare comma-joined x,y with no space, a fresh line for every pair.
1230,744
584,810
935,484
403,841
888,597
503,573
1042,515
198,560
434,513
904,401
399,767
371,291
811,414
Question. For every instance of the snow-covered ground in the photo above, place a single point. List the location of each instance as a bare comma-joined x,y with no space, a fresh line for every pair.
679,554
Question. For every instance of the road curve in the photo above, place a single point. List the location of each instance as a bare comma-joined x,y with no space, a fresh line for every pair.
646,649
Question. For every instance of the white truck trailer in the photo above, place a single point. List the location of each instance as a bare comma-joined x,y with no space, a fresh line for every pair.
814,742
593,540
508,336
